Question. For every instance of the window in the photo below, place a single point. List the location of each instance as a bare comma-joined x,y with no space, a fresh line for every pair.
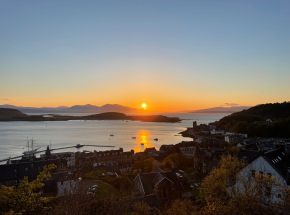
164,193
253,173
61,166
268,191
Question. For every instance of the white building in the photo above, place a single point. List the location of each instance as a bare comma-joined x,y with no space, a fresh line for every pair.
274,163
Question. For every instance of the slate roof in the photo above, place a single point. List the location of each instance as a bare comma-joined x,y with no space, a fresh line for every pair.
248,155
152,201
166,147
157,169
148,150
277,158
148,180
280,161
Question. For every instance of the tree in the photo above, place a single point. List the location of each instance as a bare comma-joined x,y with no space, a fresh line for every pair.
26,198
140,208
226,191
177,160
185,207
145,165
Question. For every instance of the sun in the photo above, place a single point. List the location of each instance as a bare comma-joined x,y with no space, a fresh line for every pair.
144,105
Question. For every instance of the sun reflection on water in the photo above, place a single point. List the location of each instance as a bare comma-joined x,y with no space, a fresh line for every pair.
143,136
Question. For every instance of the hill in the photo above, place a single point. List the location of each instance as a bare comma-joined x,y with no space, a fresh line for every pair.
222,109
78,109
8,114
265,120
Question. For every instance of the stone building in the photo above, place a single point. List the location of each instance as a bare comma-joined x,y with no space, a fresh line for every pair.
165,185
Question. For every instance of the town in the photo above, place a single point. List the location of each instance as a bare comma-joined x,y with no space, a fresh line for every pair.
157,177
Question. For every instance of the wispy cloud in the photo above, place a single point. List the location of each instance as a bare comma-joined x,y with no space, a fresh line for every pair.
230,105
6,99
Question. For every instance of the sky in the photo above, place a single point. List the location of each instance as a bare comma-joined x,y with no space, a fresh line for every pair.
171,55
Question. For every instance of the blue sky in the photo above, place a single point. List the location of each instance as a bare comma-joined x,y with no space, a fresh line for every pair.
170,54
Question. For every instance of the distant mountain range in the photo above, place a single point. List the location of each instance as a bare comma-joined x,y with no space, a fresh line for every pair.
222,109
78,109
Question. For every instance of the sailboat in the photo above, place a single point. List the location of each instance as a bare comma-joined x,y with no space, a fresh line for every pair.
32,151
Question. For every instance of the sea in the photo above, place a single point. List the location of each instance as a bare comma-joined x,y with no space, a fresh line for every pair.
56,134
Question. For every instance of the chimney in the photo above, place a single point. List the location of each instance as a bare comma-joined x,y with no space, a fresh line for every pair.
261,151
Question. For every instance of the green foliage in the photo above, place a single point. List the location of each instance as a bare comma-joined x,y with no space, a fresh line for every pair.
177,160
106,190
26,198
253,121
145,165
95,174
122,183
189,170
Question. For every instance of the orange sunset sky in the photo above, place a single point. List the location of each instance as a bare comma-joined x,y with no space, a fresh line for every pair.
173,57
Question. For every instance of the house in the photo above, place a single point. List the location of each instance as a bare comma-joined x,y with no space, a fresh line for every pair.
166,148
274,163
216,131
165,185
204,128
126,167
206,158
234,139
149,150
68,156
11,174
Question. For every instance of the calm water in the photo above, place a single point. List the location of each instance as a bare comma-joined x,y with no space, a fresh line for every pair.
13,135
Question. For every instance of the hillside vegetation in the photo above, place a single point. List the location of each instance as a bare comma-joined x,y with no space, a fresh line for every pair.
8,114
254,121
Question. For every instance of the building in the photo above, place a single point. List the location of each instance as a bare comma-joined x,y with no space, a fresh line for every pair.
68,156
206,158
274,163
165,185
11,174
234,139
216,131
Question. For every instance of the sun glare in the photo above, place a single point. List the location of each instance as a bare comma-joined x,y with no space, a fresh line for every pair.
144,105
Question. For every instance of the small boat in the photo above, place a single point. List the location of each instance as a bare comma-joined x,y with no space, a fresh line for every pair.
133,137
142,144
79,145
156,139
111,135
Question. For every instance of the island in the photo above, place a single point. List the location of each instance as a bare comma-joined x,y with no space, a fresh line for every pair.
8,114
